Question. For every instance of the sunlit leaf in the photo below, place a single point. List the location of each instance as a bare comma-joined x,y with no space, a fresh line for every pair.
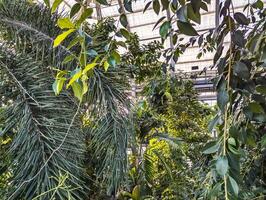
85,14
164,29
75,77
77,89
55,5
89,67
60,38
65,23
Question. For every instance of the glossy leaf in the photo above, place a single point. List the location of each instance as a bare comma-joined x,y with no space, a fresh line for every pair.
60,38
58,86
123,20
75,9
65,23
86,13
89,67
75,77
164,29
77,89
55,5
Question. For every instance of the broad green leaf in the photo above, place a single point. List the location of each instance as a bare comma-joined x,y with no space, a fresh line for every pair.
58,85
261,89
65,23
222,165
86,13
47,3
204,6
60,74
103,2
164,29
213,122
211,147
165,4
123,20
60,38
186,28
85,87
125,33
68,58
92,52
106,65
77,89
75,9
156,6
222,97
117,56
234,185
75,41
181,14
240,69
55,5
128,5
89,67
258,5
75,77
255,107
111,60
136,193
241,18
194,16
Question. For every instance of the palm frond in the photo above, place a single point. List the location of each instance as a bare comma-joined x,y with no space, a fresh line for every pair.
38,122
31,28
113,129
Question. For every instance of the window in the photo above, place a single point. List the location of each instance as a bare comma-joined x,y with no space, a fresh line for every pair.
194,67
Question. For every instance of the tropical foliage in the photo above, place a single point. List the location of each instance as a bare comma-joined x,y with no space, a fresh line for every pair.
68,126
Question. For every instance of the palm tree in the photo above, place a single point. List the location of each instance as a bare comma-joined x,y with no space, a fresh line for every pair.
48,149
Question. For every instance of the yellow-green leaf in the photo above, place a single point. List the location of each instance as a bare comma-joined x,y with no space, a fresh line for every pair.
68,58
60,38
65,23
86,13
75,77
84,79
77,89
106,65
58,85
89,67
55,5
